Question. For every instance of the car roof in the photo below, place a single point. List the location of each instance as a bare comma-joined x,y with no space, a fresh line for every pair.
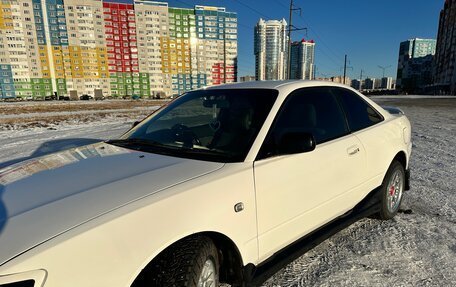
294,84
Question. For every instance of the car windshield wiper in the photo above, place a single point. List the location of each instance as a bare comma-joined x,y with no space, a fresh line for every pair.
211,152
157,147
135,142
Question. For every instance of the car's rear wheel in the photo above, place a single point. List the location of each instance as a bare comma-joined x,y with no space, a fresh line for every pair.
192,262
392,190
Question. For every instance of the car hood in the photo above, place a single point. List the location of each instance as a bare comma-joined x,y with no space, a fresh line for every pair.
46,196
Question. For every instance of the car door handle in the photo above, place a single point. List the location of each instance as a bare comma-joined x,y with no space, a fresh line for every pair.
353,150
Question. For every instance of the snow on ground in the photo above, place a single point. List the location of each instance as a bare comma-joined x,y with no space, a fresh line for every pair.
16,145
416,248
60,126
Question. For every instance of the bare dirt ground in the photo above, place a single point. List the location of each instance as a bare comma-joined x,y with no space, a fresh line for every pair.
72,106
22,115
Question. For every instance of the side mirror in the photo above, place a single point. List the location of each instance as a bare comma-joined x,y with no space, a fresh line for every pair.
296,142
135,124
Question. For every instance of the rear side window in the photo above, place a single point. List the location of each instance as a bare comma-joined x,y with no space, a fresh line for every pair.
360,114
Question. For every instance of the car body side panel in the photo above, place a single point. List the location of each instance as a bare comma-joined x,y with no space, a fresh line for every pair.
298,193
382,142
112,249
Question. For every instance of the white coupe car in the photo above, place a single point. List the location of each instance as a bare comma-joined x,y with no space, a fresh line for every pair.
223,184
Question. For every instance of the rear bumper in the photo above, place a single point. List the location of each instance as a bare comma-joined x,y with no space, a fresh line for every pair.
407,179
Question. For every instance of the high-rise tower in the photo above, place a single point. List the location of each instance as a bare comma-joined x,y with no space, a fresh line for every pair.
270,50
302,60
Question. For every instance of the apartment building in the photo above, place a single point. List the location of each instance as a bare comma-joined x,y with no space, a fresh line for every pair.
414,69
270,49
302,60
444,70
152,26
24,65
123,47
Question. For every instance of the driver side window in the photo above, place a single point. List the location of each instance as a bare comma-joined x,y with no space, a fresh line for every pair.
308,110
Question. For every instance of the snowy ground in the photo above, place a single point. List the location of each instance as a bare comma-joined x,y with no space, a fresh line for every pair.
416,248
32,129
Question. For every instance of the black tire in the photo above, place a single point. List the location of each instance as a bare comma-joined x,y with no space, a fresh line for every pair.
181,264
389,208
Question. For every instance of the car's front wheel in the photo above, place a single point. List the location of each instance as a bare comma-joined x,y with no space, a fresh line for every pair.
392,190
192,262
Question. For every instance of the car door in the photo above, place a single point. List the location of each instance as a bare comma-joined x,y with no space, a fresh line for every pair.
369,127
299,192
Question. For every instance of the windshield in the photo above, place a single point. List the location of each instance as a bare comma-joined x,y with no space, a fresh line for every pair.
213,125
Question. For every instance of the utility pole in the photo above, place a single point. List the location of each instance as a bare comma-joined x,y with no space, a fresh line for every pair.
291,28
361,81
345,69
289,41
383,69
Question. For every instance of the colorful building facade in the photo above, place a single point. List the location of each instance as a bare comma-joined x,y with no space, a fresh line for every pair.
23,74
216,32
122,47
152,26
6,73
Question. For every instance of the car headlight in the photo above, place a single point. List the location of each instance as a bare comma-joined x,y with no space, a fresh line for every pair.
33,278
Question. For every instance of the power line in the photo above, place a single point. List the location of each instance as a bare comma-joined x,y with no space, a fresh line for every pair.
320,38
326,53
186,3
384,68
290,29
322,43
281,4
244,26
327,69
253,9
328,56
309,27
